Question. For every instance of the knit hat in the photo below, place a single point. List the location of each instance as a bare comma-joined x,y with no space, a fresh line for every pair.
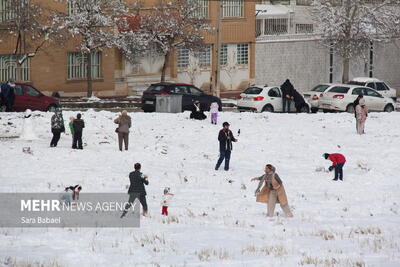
362,102
325,155
79,116
225,124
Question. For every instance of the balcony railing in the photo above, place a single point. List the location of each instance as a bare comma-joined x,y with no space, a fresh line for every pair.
304,2
287,37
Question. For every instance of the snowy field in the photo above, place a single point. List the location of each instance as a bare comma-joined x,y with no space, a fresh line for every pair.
214,219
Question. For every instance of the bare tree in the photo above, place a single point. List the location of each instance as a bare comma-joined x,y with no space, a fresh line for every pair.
93,24
29,24
350,26
193,68
231,68
171,25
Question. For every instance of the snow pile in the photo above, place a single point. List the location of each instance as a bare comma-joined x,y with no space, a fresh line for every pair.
214,219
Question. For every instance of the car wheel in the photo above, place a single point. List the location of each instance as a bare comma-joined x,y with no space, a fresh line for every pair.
304,109
52,108
389,108
268,108
314,110
350,108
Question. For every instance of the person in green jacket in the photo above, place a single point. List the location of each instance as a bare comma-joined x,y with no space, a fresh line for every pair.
71,128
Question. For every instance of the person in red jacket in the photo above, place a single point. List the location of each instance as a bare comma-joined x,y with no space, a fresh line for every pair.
338,161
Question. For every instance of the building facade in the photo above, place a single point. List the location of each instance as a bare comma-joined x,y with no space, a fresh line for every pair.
63,69
287,47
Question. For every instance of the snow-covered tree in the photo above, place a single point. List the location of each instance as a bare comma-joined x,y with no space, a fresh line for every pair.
173,24
349,27
28,24
92,24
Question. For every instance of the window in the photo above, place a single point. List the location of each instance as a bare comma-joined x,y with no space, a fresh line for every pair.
156,88
276,26
9,10
339,89
253,91
72,8
232,8
10,68
320,88
77,63
373,93
304,2
183,57
356,83
205,57
202,11
18,90
274,92
179,89
371,85
304,28
32,91
358,91
194,91
223,55
381,87
242,54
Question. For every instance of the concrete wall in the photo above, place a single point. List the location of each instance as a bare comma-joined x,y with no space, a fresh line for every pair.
306,63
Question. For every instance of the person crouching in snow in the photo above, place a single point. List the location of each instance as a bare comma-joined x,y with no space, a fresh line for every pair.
338,161
165,201
273,191
197,111
361,115
214,112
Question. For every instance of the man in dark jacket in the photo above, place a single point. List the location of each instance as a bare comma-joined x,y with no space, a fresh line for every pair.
8,95
299,101
287,95
136,189
78,126
225,139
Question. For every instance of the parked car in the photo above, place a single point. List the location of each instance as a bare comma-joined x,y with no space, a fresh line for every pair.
189,93
375,84
265,99
313,96
340,97
28,97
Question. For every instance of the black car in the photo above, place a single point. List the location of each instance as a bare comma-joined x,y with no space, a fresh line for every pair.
189,93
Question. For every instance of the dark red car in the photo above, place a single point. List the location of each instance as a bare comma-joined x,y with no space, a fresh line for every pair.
28,97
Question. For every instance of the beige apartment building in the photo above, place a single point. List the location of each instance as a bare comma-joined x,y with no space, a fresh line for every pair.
62,69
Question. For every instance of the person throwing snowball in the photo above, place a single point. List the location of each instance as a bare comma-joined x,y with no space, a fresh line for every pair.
225,138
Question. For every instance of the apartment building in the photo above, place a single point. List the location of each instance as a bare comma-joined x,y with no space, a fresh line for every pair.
63,69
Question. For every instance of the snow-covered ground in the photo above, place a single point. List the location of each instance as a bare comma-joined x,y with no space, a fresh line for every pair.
214,219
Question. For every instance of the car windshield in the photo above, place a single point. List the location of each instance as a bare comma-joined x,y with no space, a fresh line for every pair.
320,88
356,83
253,91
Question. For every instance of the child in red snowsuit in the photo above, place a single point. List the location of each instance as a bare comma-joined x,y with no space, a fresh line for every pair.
165,202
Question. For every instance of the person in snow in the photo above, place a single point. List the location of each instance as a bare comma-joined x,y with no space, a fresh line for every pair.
197,111
338,161
27,131
272,192
136,189
57,127
355,104
8,94
71,128
66,197
299,101
225,138
287,95
165,201
78,125
214,112
124,122
361,116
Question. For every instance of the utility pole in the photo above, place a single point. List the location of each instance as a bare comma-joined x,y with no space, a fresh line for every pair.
217,75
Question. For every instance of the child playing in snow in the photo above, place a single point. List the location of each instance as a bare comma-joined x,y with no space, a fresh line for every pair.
71,127
165,202
214,112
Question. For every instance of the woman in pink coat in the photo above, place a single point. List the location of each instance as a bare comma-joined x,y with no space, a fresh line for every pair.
361,115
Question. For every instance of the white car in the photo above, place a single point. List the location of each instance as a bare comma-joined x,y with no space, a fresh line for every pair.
313,96
341,97
260,98
376,84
